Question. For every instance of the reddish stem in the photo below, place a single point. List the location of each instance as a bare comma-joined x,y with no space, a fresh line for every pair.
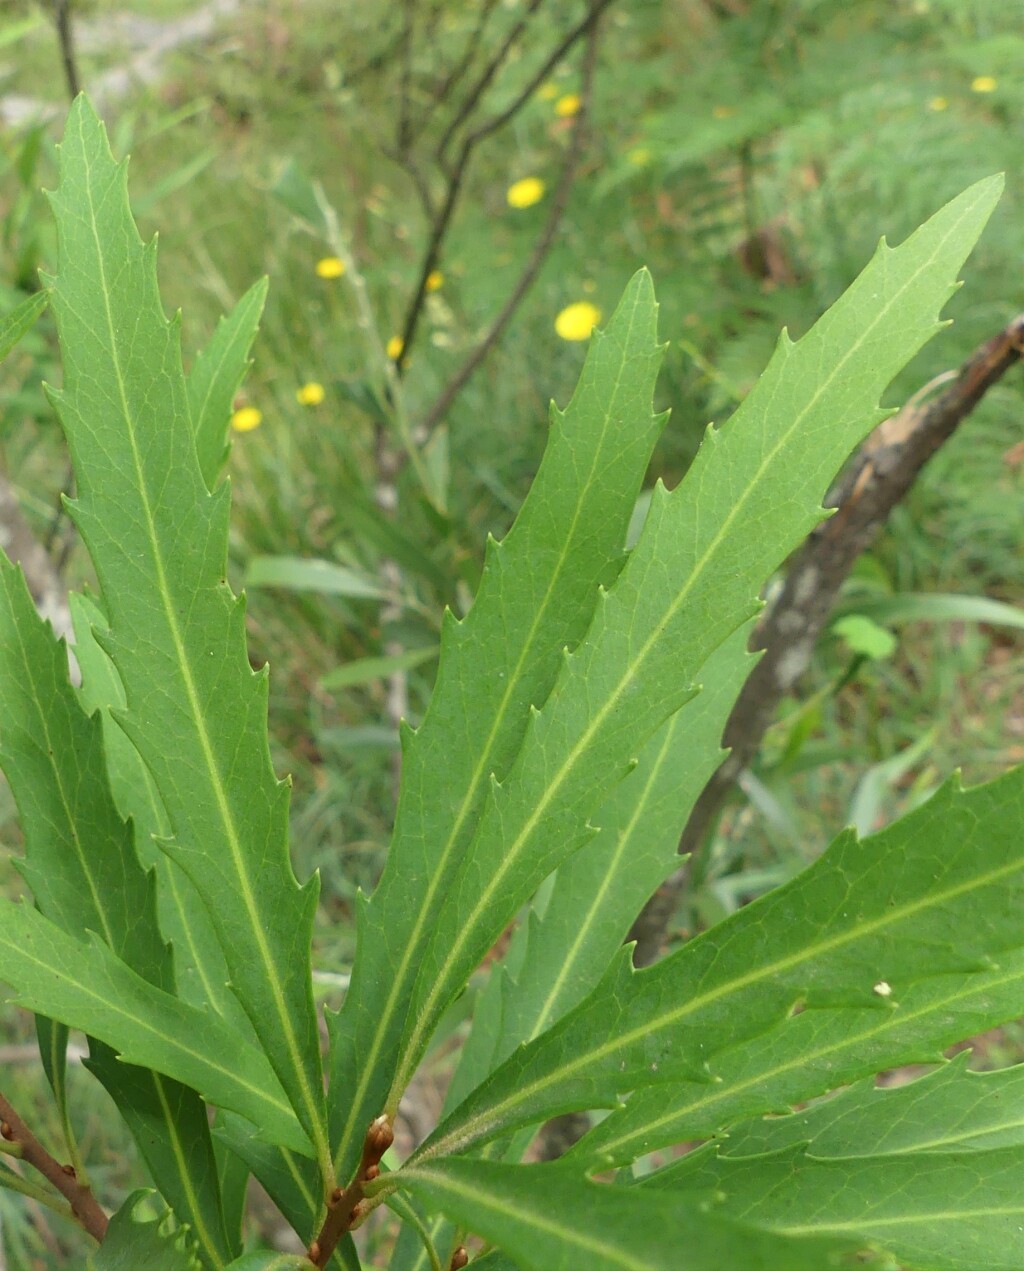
84,1205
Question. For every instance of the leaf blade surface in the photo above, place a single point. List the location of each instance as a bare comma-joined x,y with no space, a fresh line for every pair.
158,539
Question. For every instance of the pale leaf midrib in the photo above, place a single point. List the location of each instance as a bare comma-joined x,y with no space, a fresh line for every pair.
216,782
802,1060
869,1223
406,969
510,860
570,1236
671,1017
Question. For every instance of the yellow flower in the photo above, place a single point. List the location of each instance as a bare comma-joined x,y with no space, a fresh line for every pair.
723,112
938,103
576,321
567,106
983,84
547,92
311,394
246,419
639,156
435,280
526,192
395,347
330,267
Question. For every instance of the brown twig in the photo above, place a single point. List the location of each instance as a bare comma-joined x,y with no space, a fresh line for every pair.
884,470
343,1208
66,40
84,1205
559,202
447,86
484,80
456,173
404,123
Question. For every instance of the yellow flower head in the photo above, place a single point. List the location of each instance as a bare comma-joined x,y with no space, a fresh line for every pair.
435,280
548,91
938,103
395,347
639,156
576,321
723,112
311,394
330,267
567,106
983,84
526,192
246,419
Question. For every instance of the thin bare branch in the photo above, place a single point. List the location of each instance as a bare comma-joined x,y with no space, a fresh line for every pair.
66,39
532,268
597,7
456,175
485,79
443,91
405,75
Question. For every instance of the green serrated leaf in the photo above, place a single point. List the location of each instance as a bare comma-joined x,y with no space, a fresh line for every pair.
804,1057
216,374
950,1110
84,985
548,1219
170,1125
158,539
599,891
934,1212
80,858
864,924
538,590
233,1176
289,1180
135,1239
200,971
53,1054
20,320
752,494
81,863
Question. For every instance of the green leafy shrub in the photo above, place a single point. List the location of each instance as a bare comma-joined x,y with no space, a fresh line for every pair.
582,690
